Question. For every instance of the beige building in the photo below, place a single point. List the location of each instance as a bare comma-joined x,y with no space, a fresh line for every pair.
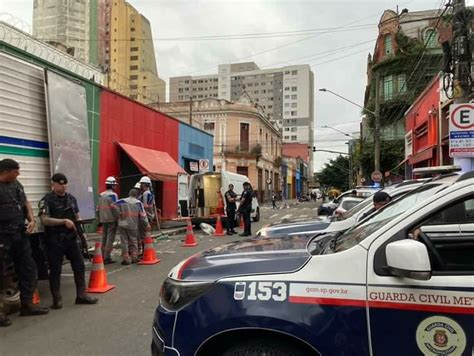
245,140
63,24
132,64
285,94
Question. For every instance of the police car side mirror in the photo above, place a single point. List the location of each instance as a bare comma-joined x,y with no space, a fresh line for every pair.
409,259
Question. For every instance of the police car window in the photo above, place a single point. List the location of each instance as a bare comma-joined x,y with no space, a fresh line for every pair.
455,248
362,230
459,213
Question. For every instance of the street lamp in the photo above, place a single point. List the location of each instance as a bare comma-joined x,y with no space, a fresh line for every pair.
336,129
376,117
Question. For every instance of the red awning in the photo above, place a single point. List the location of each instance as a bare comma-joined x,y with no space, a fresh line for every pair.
157,165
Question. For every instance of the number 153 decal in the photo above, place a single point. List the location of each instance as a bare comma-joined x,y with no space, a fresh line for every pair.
276,291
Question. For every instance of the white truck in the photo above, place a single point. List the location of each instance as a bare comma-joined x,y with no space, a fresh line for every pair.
204,191
43,126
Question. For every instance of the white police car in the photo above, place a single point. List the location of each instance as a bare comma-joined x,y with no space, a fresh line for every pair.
399,283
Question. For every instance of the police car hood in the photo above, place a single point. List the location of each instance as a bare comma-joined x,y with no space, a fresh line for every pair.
295,227
246,257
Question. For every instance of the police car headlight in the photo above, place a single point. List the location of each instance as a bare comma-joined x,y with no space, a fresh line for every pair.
176,294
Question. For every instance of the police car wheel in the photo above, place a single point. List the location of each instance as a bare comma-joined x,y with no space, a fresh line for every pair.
259,347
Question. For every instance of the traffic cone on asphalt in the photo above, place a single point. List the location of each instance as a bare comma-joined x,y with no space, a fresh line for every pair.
242,226
220,203
219,230
149,255
36,297
190,237
98,278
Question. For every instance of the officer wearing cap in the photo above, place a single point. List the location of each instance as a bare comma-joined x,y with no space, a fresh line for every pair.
379,199
14,209
56,210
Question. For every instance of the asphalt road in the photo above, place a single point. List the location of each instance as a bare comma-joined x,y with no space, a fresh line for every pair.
121,323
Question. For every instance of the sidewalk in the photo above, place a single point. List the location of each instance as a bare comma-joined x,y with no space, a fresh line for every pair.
168,228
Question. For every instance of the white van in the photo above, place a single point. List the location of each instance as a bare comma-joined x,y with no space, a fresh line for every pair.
204,197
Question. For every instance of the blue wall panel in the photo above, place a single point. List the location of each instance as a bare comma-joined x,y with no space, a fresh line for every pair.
195,144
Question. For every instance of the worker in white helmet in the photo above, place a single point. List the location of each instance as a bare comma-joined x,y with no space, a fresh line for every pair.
107,218
148,199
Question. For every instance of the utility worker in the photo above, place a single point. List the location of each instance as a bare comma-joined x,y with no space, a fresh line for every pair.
230,208
131,214
58,211
14,208
245,208
141,228
148,199
107,218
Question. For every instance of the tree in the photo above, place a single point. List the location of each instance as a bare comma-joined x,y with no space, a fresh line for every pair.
335,173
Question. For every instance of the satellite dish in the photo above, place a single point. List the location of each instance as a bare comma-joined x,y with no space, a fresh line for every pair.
207,229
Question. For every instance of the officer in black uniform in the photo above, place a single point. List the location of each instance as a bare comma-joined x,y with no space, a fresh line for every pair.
57,211
14,208
230,197
245,208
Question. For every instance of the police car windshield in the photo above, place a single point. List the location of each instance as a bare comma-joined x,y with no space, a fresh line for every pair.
362,230
354,210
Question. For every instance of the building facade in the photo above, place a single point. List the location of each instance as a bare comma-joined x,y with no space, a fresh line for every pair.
64,24
131,59
245,140
285,94
406,56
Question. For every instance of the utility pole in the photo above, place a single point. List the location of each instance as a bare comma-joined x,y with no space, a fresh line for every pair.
377,123
191,110
462,56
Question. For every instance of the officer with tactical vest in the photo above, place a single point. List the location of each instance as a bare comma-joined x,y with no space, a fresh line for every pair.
58,210
14,209
107,218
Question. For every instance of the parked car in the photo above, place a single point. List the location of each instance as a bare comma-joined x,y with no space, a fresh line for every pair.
347,203
341,222
328,208
406,269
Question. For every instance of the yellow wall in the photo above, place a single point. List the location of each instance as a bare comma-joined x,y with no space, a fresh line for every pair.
133,70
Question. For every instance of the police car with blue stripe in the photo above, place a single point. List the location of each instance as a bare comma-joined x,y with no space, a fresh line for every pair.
398,283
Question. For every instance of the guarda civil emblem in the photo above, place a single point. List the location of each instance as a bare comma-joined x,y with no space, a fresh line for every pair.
439,335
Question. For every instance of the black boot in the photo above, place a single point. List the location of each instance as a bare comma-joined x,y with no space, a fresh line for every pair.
57,302
31,309
4,321
85,299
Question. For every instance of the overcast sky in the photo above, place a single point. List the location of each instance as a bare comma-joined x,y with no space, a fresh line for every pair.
337,54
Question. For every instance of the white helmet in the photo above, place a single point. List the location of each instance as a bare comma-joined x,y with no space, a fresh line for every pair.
137,186
111,180
145,179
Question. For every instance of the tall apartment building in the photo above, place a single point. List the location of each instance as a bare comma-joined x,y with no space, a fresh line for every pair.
131,55
64,24
286,94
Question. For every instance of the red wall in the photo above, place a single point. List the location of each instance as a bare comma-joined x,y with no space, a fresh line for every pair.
123,120
424,114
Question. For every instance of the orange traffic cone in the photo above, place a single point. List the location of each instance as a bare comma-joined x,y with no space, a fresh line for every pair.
219,229
242,226
36,297
220,203
98,278
190,237
149,255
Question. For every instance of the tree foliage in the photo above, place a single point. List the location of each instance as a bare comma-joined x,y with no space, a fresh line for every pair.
335,173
